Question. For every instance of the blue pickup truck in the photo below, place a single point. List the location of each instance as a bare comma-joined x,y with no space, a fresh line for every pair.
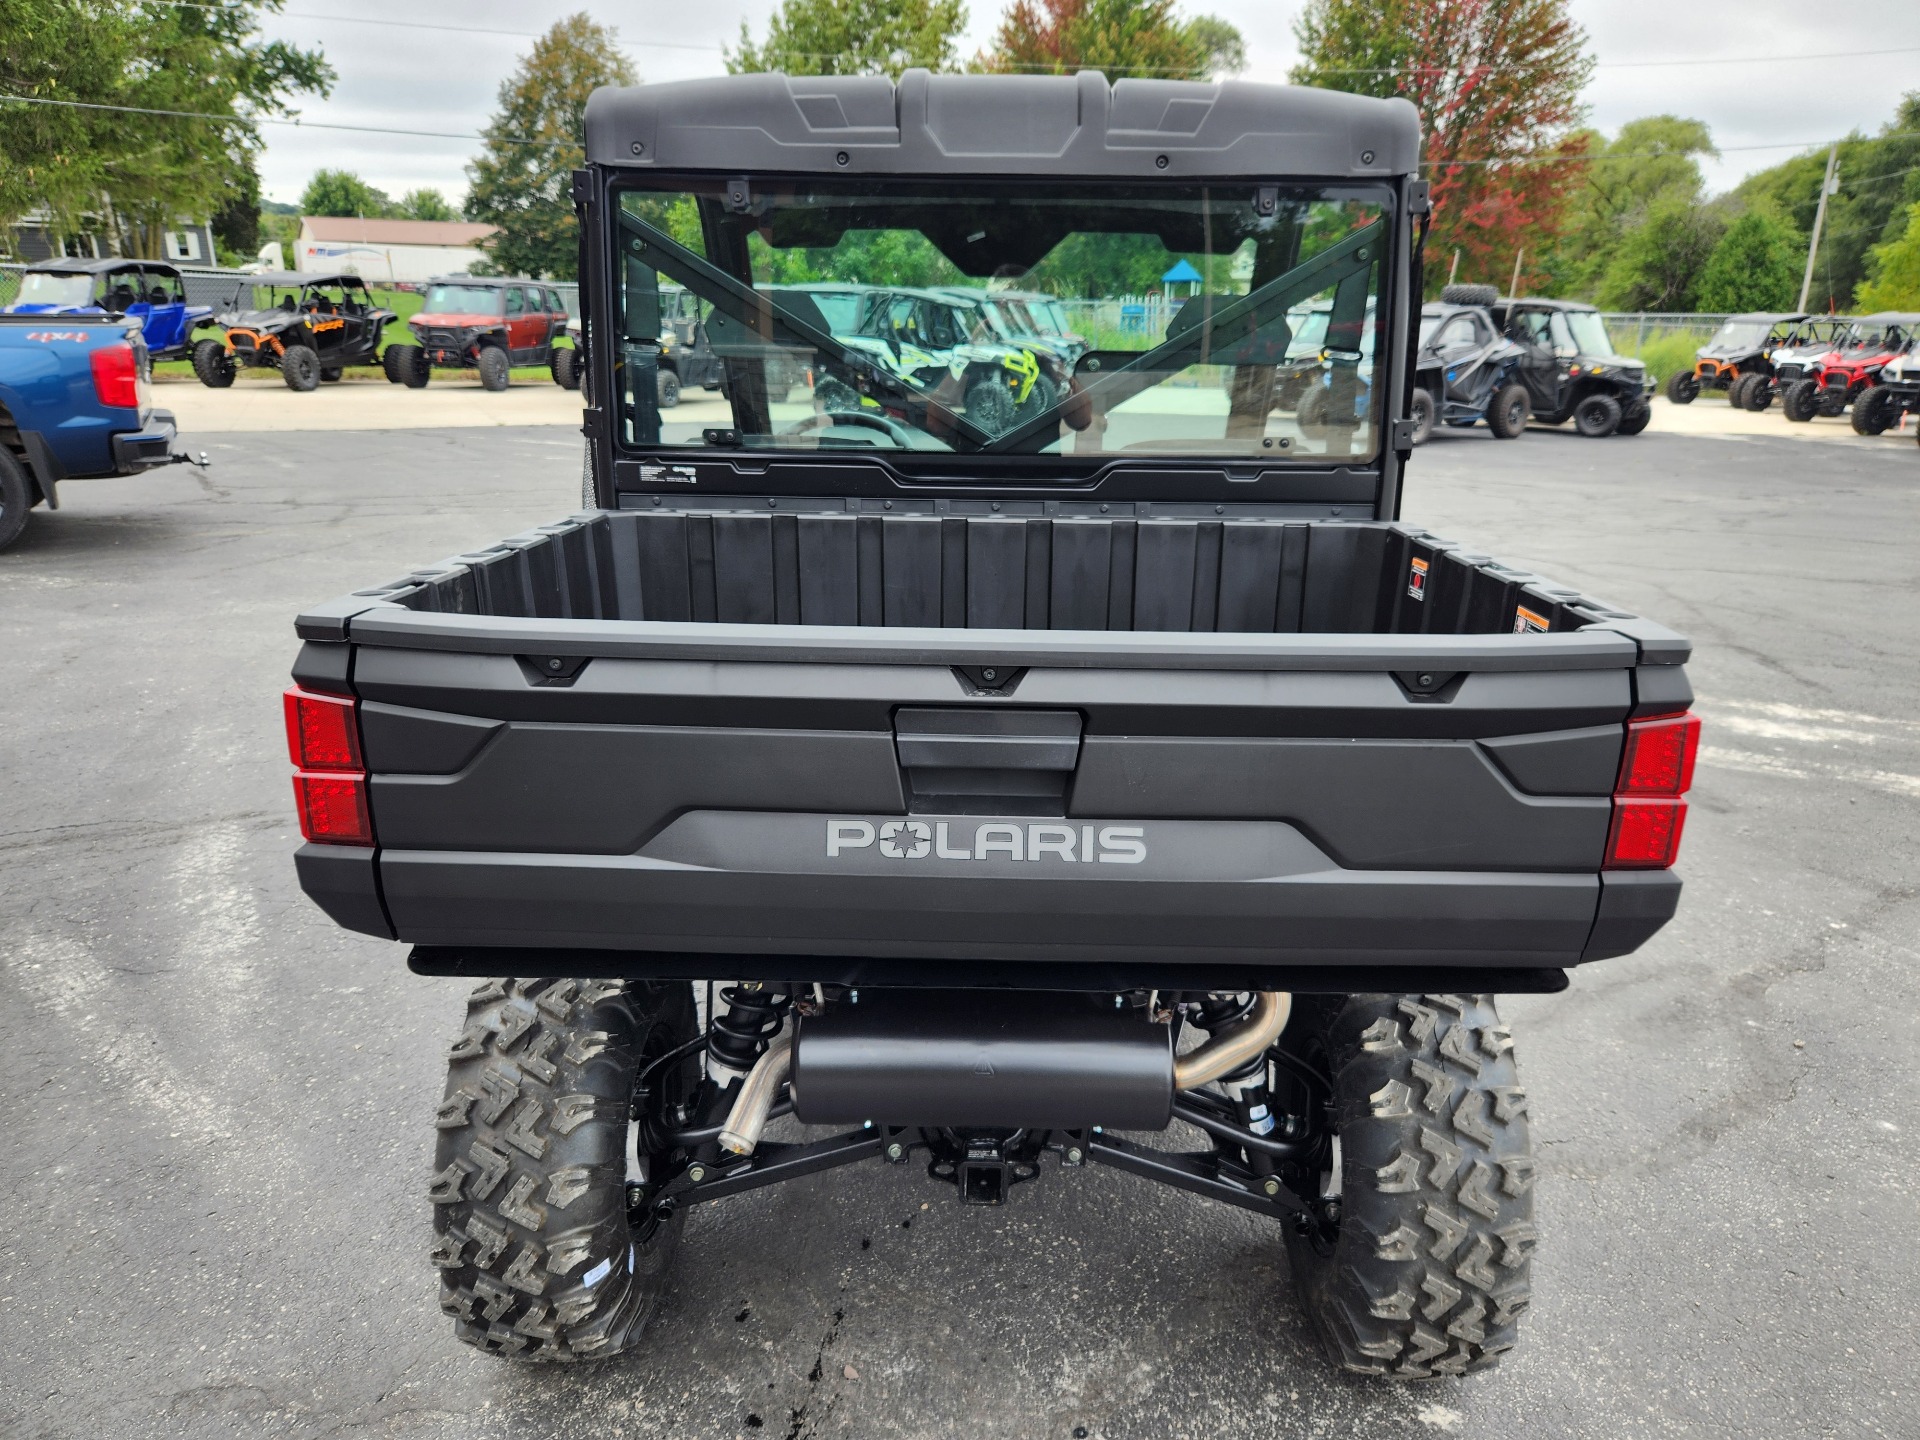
74,405
150,291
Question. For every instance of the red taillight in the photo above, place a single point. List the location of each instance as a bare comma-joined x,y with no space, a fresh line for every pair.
333,809
116,376
321,731
1645,834
1659,756
1656,769
330,790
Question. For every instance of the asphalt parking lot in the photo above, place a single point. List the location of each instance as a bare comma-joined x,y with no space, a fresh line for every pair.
219,1106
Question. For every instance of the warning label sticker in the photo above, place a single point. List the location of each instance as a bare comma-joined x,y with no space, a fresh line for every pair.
1527,622
1417,579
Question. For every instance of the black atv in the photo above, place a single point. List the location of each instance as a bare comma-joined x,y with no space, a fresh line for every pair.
1733,356
1467,370
311,326
1571,370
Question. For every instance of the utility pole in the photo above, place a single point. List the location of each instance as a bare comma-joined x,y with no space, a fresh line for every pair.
1514,288
1453,269
1827,187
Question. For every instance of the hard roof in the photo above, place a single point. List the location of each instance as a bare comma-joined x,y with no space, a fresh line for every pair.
294,279
1545,303
100,267
1041,125
497,282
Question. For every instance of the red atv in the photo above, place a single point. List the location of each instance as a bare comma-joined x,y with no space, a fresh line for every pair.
1845,373
472,323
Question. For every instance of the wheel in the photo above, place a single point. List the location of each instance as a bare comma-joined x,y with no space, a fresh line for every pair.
1596,416
1760,393
1507,415
1635,418
667,387
542,1255
1871,414
16,498
1041,398
1737,391
1311,413
1418,1261
1683,387
1422,416
493,367
212,365
565,374
1470,295
401,361
330,374
300,367
1801,401
833,396
1830,401
990,407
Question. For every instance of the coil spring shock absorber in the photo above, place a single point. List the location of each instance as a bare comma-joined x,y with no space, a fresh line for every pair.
739,1036
1246,1087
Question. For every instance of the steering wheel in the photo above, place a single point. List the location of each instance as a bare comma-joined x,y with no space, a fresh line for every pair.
900,434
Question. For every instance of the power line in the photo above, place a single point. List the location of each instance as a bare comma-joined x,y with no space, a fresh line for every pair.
296,122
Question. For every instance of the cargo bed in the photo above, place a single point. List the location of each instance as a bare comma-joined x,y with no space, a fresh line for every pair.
949,735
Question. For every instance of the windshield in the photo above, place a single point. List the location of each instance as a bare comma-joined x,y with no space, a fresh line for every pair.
862,315
1590,332
37,289
1737,334
464,300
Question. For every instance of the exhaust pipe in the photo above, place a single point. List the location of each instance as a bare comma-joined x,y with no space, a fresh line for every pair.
748,1118
987,1058
1230,1049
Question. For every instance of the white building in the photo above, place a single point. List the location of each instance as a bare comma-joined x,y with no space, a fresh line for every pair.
387,250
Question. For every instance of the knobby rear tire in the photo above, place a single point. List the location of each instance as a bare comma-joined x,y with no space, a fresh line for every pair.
1508,415
1426,1272
539,1256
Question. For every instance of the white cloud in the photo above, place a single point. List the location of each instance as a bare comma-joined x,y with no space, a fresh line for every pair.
444,80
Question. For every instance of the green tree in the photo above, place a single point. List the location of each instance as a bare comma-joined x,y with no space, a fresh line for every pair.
1497,84
1756,266
1659,262
236,223
854,37
341,192
1117,37
1652,161
425,204
519,182
202,79
1896,271
1879,178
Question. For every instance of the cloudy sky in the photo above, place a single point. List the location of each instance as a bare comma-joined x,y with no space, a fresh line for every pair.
439,71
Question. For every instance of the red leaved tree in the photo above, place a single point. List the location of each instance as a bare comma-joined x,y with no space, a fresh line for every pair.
1119,37
1497,84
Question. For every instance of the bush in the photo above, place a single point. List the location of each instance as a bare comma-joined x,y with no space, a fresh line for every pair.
1664,354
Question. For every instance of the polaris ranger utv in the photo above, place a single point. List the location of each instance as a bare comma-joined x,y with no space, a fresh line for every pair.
1125,785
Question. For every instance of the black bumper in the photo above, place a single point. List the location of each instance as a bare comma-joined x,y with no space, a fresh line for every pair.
143,449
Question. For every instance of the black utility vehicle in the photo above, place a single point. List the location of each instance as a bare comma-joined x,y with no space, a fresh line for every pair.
989,769
1572,370
308,325
1467,370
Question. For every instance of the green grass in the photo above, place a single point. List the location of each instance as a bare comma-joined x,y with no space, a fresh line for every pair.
1664,353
